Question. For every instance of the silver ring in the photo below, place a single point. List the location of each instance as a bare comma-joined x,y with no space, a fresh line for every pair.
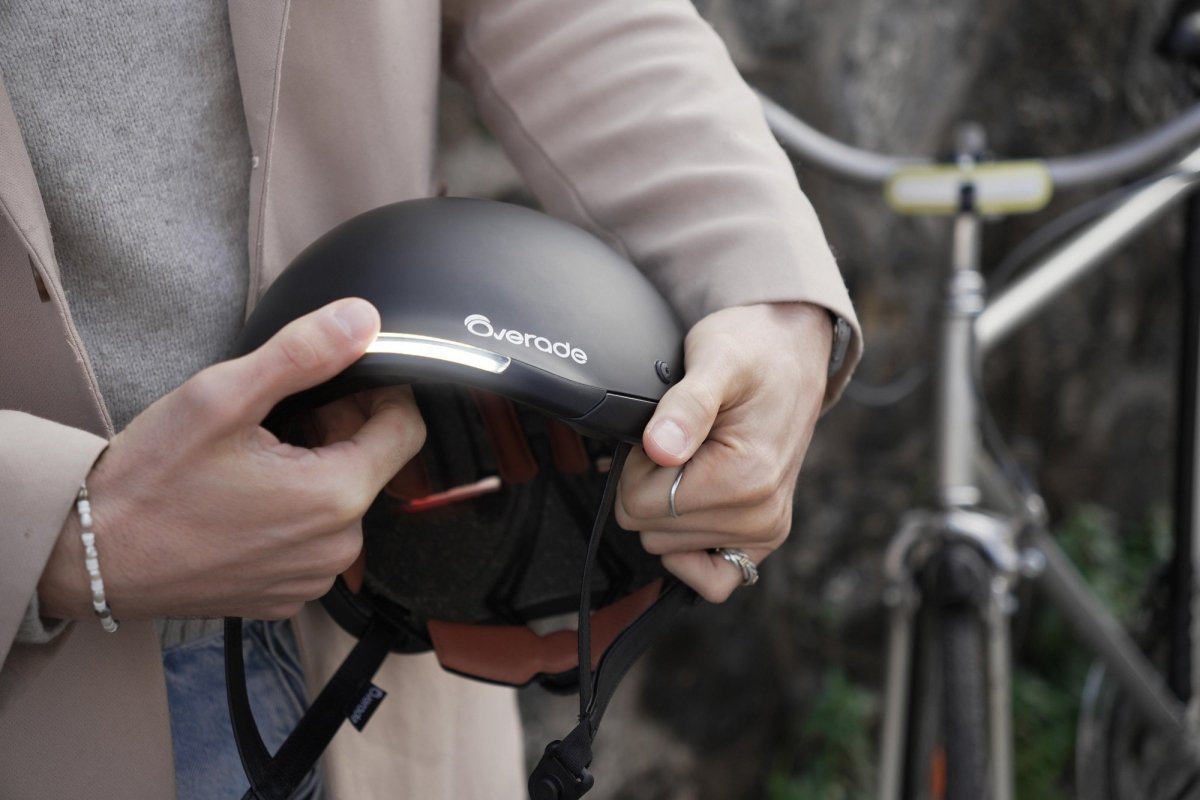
675,488
742,562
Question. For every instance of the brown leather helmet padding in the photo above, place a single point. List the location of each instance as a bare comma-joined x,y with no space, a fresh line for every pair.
513,457
515,655
570,454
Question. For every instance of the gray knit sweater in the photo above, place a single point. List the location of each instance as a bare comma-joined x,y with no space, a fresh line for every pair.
132,115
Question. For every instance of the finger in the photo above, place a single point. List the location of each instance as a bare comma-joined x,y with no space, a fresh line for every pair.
368,398
303,354
391,435
340,419
709,574
767,519
685,415
660,543
755,522
353,575
720,476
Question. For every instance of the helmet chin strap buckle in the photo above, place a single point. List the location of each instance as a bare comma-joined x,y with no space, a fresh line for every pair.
553,779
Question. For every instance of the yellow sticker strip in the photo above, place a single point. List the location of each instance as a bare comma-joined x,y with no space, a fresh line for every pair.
1001,188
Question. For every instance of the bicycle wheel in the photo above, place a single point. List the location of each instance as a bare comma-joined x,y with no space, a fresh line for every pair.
948,733
964,711
1118,756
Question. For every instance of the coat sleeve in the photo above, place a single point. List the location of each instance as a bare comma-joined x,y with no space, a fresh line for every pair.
42,464
628,118
34,628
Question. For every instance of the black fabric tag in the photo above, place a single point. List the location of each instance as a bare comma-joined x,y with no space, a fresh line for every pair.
361,713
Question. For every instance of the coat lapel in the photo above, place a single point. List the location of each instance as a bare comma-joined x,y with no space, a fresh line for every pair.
20,201
259,28
33,307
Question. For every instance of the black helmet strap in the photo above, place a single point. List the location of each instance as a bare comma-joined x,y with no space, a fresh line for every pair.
561,774
276,777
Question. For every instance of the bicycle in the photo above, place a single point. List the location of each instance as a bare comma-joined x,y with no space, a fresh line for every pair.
953,570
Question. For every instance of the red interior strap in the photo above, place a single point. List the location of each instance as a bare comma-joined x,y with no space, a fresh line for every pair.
514,459
515,655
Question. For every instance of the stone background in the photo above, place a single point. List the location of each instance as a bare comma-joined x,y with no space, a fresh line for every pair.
1087,389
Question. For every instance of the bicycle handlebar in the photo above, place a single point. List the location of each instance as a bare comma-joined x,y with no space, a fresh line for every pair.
828,153
1111,163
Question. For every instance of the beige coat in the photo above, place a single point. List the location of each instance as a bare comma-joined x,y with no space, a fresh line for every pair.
624,116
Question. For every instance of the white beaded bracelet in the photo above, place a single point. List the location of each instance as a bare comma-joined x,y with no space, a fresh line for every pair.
92,561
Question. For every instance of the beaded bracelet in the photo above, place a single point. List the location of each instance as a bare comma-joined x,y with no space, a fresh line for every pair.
92,561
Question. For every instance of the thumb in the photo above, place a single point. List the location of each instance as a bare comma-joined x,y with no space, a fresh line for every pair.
683,419
304,353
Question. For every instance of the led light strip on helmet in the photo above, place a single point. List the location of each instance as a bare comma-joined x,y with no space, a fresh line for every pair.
409,344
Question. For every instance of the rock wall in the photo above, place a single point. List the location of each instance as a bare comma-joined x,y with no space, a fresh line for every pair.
1084,391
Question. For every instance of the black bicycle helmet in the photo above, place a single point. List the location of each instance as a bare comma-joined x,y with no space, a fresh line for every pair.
518,333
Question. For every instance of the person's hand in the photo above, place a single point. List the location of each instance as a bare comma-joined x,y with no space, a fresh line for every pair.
340,421
741,420
200,511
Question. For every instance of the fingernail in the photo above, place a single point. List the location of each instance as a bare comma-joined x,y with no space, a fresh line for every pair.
355,317
670,437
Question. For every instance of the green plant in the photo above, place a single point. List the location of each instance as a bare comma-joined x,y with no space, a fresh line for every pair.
835,747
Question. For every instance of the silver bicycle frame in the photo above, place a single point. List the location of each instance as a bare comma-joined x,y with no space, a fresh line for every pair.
971,328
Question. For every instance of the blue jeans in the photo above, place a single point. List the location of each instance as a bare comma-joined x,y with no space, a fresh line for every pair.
207,766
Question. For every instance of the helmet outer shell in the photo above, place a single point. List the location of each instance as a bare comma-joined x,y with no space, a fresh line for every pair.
588,338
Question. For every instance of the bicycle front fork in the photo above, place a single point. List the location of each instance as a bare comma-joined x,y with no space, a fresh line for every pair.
964,564
956,569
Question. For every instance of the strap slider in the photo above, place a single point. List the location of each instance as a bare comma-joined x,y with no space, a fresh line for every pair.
552,779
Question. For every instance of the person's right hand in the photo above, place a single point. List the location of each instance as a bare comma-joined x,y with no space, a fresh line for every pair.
200,511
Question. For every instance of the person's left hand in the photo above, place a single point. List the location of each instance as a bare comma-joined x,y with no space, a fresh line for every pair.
741,420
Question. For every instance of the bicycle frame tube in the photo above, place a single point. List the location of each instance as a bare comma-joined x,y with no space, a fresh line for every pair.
1084,253
957,411
1106,637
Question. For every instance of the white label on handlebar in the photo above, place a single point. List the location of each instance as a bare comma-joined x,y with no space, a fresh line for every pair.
1007,187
